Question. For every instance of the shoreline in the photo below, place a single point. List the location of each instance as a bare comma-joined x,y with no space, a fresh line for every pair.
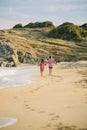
49,102
13,77
6,121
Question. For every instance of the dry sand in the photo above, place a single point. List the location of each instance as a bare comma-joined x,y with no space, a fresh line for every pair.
57,102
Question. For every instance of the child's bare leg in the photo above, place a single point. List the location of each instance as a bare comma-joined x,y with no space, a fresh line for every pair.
41,73
50,72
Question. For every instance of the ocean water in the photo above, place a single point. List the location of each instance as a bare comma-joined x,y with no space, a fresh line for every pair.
6,121
15,76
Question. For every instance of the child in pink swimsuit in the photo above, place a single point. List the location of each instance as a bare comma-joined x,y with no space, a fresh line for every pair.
50,65
42,66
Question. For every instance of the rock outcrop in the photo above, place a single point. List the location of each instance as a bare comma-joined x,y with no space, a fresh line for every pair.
28,46
8,56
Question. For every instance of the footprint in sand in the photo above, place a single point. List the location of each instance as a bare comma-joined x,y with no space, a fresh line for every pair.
54,116
51,121
29,107
34,90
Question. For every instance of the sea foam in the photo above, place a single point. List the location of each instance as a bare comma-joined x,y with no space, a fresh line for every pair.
15,76
6,121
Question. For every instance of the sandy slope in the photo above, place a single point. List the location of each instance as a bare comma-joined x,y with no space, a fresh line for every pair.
57,102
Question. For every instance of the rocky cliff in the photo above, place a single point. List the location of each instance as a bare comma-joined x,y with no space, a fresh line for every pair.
27,45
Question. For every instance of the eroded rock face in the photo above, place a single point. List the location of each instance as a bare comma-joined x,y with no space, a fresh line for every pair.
8,56
11,57
14,49
25,57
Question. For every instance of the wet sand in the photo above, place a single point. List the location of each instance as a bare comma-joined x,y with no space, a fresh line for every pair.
57,102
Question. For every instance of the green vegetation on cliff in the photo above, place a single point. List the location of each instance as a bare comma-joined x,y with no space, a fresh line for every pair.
18,26
39,24
29,45
84,26
68,31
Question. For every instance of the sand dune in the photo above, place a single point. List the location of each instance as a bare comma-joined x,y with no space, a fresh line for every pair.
57,102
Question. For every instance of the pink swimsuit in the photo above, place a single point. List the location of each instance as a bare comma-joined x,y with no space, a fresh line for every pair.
50,63
42,65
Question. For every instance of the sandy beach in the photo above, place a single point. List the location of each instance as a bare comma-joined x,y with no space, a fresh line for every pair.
57,102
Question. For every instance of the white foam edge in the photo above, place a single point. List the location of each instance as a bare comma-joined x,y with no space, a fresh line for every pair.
7,121
23,84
